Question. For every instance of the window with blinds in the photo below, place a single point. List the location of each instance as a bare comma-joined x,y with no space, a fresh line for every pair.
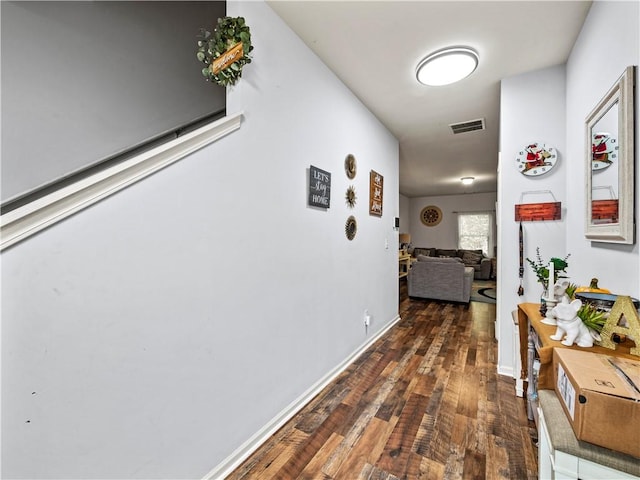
474,231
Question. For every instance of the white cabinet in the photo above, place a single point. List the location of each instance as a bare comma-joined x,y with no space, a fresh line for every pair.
569,463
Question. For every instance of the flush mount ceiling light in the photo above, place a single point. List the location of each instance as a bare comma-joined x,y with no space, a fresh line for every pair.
447,66
467,180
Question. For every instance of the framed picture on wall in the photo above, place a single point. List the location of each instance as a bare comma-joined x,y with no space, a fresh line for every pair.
319,187
376,182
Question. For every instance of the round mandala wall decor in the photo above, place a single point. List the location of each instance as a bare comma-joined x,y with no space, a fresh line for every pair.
350,166
225,51
350,196
351,227
431,216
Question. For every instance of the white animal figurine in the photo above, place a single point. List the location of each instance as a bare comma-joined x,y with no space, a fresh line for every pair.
569,324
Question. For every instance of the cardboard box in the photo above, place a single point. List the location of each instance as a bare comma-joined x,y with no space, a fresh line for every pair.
601,396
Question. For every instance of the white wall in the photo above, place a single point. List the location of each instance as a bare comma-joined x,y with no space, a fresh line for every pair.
445,234
596,62
551,106
532,110
152,334
405,205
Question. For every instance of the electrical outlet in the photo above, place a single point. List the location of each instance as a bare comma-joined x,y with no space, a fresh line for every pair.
367,318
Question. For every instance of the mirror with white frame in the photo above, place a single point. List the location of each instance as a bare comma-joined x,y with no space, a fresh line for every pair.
609,165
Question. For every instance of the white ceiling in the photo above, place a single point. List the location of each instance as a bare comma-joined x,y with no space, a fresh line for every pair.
374,47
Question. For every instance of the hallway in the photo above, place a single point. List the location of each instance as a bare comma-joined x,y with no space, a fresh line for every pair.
424,402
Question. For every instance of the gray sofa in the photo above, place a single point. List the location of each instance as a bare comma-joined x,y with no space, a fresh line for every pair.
440,279
471,258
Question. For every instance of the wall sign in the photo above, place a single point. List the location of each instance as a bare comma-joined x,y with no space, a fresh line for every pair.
532,212
227,58
319,187
375,193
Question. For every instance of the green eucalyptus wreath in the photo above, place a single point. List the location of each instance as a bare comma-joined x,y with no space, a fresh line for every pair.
229,32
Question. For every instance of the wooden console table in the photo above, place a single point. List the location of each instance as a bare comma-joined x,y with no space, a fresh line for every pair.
535,341
404,264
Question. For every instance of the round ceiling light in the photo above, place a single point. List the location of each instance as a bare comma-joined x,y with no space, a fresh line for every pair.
447,66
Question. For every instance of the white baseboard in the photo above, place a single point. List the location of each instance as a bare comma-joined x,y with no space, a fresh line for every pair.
506,371
233,461
519,387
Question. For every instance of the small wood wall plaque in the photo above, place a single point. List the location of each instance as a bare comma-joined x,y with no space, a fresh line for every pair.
532,212
376,182
227,58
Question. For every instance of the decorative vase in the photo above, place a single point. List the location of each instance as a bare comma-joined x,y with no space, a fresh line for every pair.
543,299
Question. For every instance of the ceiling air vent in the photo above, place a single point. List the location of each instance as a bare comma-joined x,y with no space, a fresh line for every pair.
469,126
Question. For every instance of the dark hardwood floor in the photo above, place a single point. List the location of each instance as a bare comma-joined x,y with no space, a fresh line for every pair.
424,402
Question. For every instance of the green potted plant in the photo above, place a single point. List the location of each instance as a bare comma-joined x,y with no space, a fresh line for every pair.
541,269
591,316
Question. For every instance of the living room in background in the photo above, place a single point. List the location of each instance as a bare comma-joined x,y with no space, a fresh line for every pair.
474,231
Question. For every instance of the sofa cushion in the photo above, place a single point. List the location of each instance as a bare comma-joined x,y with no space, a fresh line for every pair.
424,258
471,258
446,253
429,252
